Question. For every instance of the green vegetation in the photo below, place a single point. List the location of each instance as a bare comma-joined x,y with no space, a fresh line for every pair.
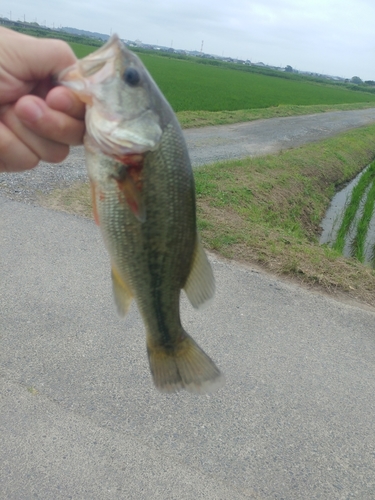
190,86
33,29
368,86
199,94
352,208
268,210
205,118
363,225
81,50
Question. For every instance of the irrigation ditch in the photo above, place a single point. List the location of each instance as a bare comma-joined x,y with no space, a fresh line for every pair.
349,223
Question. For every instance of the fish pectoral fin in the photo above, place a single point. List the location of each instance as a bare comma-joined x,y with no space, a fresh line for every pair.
186,366
200,285
94,205
133,197
121,292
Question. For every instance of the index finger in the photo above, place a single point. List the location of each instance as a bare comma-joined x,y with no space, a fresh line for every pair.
28,58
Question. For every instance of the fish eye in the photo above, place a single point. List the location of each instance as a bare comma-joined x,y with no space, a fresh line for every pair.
131,76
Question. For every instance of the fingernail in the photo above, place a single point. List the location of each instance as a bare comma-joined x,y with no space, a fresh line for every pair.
66,103
32,112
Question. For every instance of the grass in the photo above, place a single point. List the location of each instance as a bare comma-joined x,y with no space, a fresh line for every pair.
75,199
267,210
190,119
82,50
189,86
363,224
352,208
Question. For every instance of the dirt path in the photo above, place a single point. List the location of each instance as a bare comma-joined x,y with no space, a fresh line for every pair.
261,137
206,145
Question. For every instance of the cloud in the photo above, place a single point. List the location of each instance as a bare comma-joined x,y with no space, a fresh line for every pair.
329,36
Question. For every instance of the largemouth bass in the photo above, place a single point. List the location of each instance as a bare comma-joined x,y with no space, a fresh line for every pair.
144,203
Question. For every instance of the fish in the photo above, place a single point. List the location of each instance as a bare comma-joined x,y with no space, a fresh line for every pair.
143,198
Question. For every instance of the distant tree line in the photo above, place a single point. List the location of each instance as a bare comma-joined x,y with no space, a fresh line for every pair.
34,29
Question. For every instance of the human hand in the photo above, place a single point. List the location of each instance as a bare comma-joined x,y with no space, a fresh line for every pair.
37,120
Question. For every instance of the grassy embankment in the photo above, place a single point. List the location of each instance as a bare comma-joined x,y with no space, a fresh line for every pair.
267,210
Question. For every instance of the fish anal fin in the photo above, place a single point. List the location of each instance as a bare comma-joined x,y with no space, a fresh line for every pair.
185,367
200,285
121,292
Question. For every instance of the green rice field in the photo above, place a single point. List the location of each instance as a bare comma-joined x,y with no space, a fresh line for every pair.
81,50
190,86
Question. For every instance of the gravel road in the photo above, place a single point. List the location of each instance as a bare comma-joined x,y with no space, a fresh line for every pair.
206,145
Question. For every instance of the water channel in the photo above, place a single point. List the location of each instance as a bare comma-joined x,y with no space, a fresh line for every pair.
334,217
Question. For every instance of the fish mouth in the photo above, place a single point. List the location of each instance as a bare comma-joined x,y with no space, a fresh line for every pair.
93,69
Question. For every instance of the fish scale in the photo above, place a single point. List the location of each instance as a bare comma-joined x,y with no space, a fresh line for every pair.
169,224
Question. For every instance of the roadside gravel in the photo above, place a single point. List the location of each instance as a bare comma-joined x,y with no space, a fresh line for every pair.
206,145
25,186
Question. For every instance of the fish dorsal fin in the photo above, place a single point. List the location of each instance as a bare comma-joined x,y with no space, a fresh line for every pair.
121,293
200,285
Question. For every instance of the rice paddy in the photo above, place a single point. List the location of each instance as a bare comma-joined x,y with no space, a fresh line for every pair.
190,86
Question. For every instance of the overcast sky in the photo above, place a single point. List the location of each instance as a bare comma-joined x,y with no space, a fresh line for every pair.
335,37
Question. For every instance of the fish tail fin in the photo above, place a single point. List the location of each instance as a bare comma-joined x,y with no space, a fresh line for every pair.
184,367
